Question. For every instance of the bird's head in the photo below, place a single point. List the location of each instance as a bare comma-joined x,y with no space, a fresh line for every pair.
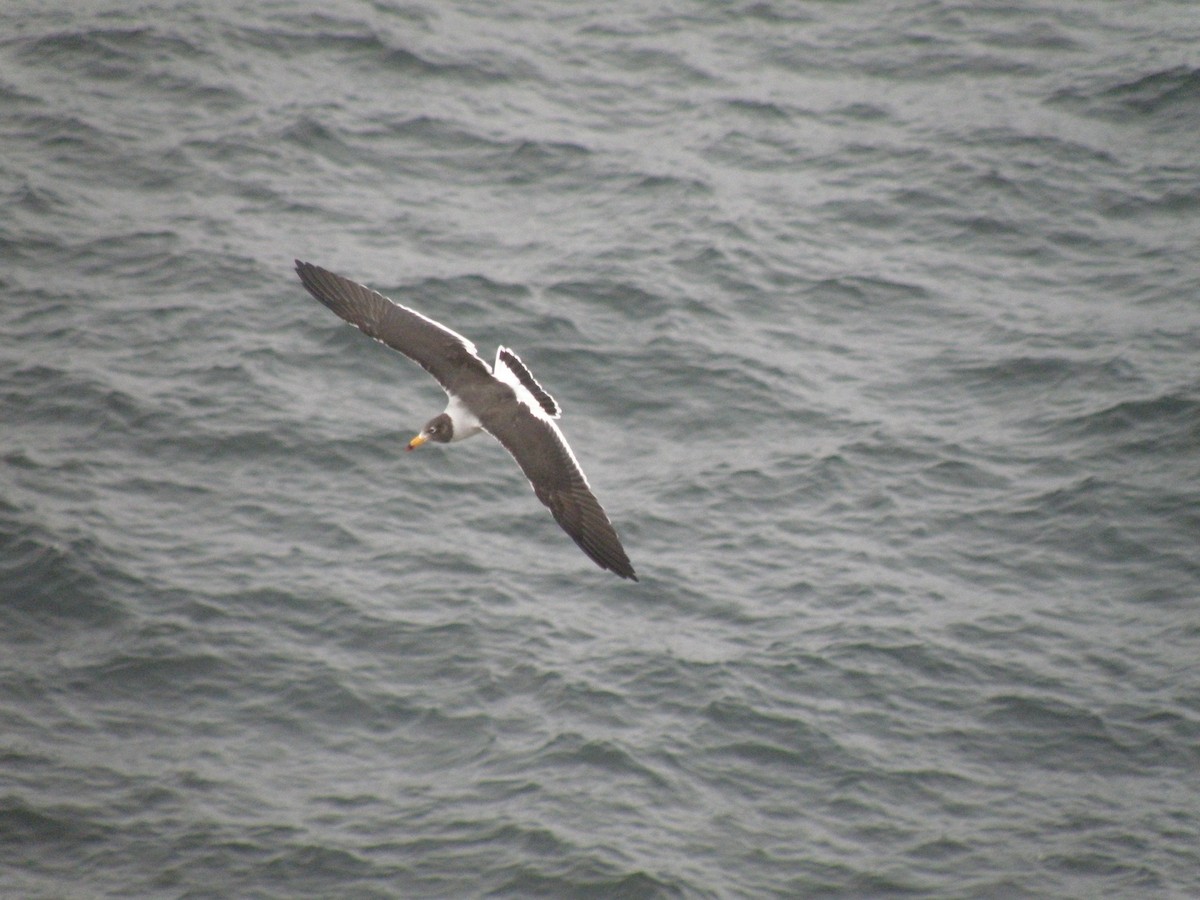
439,429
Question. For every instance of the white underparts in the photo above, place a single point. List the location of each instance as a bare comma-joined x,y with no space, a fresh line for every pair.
465,423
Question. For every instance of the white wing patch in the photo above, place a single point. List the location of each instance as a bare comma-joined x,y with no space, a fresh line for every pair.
504,371
510,370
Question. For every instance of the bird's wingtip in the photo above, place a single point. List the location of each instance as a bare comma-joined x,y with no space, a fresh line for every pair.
622,570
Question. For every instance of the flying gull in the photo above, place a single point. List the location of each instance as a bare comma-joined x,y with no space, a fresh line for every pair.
503,400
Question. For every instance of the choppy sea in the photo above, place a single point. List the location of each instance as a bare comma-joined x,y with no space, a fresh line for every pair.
877,330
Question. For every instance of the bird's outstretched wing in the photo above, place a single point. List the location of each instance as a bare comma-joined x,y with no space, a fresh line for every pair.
532,437
543,454
446,355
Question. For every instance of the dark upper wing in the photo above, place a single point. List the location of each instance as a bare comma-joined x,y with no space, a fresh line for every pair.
543,455
444,354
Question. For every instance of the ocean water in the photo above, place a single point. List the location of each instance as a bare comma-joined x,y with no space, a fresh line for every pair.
877,331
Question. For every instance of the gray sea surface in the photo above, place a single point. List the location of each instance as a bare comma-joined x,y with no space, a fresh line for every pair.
877,330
